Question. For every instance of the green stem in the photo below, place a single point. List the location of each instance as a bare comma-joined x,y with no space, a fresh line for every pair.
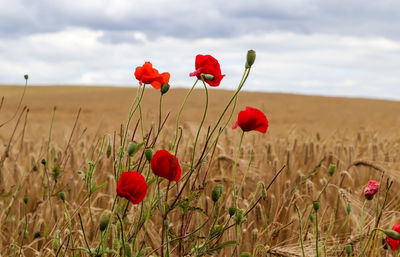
316,234
369,240
70,227
301,231
235,168
362,222
180,113
159,115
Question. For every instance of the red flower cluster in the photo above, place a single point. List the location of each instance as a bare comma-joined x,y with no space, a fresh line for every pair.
148,75
394,244
206,64
371,189
132,186
251,119
166,165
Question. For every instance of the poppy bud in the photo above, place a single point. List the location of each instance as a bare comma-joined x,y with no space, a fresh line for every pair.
209,77
62,195
232,211
245,254
164,88
36,235
35,167
108,152
332,169
149,154
26,199
348,249
26,76
43,162
166,223
315,205
239,217
348,209
104,220
217,192
251,57
392,234
311,217
132,148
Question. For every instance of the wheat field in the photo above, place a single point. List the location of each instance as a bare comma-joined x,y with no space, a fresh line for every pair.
306,134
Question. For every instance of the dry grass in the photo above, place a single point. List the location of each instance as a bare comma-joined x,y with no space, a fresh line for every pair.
359,136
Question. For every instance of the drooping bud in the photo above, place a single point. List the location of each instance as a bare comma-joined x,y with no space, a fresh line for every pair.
149,154
26,76
232,211
316,205
164,88
62,195
104,220
348,209
166,224
26,199
250,59
332,169
208,77
108,152
392,234
217,192
348,249
132,148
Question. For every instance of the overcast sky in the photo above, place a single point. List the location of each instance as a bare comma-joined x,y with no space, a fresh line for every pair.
326,47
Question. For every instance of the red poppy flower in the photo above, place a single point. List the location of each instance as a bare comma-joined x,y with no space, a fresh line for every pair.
132,186
166,165
251,119
371,189
394,244
148,75
206,64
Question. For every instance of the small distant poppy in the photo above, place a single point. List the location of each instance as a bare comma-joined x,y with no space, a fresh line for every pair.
394,244
371,189
206,64
166,165
148,75
132,186
251,119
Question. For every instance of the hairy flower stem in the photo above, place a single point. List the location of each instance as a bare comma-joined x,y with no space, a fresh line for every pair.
362,222
159,114
179,115
235,193
369,240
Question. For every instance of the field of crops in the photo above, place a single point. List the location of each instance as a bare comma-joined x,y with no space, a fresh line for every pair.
45,151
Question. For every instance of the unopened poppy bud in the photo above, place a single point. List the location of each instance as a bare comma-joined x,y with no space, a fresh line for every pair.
26,76
348,209
250,59
348,249
164,88
208,77
132,147
245,254
332,169
315,205
392,234
166,223
104,220
62,195
108,152
232,211
311,217
264,194
217,192
26,199
239,217
149,154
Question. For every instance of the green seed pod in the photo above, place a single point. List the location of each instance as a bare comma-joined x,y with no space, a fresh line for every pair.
332,169
315,205
108,152
26,199
348,249
250,58
311,217
245,254
26,76
232,211
104,220
208,77
164,88
392,234
132,148
62,195
348,209
217,192
149,154
127,250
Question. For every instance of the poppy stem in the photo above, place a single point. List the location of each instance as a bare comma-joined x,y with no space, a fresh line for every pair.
180,113
159,116
235,168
